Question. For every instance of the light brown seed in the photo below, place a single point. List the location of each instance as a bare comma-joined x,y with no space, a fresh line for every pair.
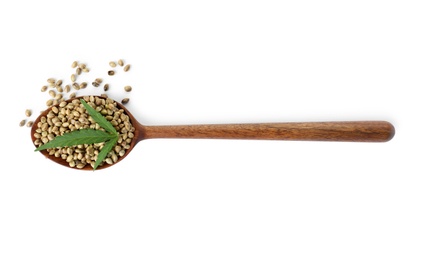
51,80
74,64
125,101
121,63
78,71
127,88
59,89
95,84
72,95
106,87
86,70
27,112
112,64
52,93
49,102
111,73
127,67
67,88
82,65
98,80
58,83
83,85
44,88
58,96
75,86
73,77
30,123
22,123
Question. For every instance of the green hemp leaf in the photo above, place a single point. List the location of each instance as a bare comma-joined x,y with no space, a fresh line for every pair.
88,136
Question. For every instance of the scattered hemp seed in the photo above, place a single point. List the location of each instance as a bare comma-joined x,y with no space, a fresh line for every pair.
127,88
29,123
82,66
51,81
83,85
52,93
111,73
59,89
73,77
58,83
127,67
106,87
49,102
86,70
125,101
112,64
72,95
44,88
99,80
27,112
95,84
74,64
121,63
22,123
75,86
78,71
67,88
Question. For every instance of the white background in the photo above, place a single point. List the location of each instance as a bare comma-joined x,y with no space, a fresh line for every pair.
223,62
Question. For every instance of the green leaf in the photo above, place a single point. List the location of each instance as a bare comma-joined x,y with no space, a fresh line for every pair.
82,136
99,118
105,150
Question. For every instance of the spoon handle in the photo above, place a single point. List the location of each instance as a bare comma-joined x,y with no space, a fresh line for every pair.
350,131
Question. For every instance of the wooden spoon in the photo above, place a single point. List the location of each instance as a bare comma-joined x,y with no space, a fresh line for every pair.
342,131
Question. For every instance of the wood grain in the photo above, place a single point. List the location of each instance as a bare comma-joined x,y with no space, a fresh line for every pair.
351,131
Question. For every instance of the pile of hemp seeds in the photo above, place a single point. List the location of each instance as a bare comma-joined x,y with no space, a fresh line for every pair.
67,116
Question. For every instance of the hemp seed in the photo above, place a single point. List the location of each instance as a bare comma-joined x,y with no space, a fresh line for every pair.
52,93
111,73
27,112
75,86
58,83
127,67
125,101
127,88
22,123
112,64
121,63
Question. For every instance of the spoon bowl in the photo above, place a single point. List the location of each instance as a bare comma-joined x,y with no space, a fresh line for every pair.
340,131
